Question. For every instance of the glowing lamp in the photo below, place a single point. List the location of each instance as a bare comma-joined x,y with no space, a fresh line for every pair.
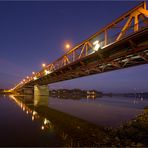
96,45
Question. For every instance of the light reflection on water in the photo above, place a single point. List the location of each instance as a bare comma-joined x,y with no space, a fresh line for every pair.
107,111
22,126
70,140
45,123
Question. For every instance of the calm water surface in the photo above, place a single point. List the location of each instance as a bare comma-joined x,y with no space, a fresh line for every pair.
20,126
106,111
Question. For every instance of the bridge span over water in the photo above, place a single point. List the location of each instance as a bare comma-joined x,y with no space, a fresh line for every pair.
122,43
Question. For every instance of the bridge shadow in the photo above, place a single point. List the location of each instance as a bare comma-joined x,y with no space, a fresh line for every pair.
75,132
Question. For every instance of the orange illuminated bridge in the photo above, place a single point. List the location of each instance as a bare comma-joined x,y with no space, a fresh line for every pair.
120,44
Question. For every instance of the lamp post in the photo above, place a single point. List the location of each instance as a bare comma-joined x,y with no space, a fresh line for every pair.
67,46
43,65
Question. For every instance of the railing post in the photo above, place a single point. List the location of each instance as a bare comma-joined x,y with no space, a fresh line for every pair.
105,37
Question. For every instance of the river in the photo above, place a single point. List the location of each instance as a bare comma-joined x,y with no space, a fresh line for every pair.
21,125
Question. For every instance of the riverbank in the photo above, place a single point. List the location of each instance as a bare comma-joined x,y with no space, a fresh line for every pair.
82,133
134,133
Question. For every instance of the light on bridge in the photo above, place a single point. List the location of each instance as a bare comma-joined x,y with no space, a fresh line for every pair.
96,45
67,46
35,78
47,72
33,72
43,65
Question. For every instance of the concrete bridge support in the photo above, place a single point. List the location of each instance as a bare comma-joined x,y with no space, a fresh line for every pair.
41,90
26,91
41,95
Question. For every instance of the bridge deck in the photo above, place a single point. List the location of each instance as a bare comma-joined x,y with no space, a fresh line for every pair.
130,51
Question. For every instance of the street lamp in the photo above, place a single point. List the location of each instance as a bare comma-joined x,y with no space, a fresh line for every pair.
43,65
67,46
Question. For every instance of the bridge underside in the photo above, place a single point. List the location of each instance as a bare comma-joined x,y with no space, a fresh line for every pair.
128,52
36,90
38,95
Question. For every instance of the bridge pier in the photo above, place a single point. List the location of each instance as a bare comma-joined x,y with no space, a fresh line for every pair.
41,90
26,91
41,95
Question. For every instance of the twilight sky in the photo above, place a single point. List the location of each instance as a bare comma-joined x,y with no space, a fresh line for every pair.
35,32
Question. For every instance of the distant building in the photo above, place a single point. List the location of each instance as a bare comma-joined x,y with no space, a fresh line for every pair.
75,93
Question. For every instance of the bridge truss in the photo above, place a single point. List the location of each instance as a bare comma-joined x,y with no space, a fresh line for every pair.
121,44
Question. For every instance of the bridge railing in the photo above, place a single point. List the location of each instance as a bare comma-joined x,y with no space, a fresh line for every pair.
130,22
88,48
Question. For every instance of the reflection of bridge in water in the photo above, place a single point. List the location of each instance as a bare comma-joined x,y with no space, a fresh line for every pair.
74,131
123,43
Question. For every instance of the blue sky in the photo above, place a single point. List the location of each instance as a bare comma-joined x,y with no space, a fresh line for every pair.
35,32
